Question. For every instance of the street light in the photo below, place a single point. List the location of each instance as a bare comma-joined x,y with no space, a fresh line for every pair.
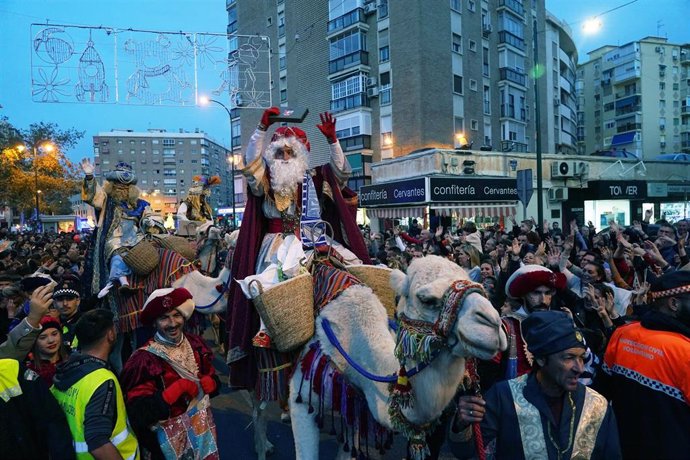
45,146
204,100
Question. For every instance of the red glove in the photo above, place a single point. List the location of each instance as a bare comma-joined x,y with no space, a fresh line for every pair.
208,384
327,127
266,117
179,388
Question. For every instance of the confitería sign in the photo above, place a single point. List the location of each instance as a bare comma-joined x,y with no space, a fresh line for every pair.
464,189
400,192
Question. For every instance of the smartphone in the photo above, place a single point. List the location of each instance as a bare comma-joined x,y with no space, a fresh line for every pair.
290,115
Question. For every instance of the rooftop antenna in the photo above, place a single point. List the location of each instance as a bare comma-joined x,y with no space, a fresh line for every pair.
659,25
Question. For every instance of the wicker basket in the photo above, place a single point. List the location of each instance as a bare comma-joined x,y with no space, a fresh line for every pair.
287,310
378,279
178,244
142,258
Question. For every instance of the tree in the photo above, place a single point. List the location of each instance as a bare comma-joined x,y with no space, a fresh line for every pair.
57,177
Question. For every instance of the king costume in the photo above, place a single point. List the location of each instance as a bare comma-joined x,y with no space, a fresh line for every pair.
269,216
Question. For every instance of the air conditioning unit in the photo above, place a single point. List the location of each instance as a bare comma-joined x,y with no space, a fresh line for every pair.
372,92
372,81
370,8
582,169
563,169
558,194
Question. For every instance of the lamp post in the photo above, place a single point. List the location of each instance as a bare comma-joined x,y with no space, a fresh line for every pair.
537,115
204,101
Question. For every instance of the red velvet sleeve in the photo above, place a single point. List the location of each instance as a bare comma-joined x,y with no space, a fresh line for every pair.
141,375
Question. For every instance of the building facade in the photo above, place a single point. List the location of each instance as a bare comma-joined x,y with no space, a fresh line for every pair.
165,163
405,75
635,98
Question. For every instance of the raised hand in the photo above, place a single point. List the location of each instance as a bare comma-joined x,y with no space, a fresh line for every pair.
327,127
554,256
266,120
516,247
41,300
87,166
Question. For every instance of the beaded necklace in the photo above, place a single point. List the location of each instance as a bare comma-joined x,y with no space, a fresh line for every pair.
560,453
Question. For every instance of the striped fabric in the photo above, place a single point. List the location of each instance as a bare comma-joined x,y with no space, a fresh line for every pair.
172,266
391,213
465,210
329,282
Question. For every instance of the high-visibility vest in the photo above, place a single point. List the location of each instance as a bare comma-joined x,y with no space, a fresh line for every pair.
9,379
73,402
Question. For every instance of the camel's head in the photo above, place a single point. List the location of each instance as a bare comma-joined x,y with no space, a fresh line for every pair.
476,331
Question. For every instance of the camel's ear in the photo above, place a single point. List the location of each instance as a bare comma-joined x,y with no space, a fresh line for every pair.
400,283
432,292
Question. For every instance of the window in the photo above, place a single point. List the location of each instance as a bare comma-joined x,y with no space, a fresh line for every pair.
283,95
232,19
610,124
662,86
143,142
383,9
143,152
384,51
457,43
193,141
457,84
282,59
675,86
459,124
473,46
348,43
385,90
131,142
472,6
485,61
119,151
456,5
349,86
386,131
662,123
474,125
473,85
119,141
662,103
269,21
154,141
487,100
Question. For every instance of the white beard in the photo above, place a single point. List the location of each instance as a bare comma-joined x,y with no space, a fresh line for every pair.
286,175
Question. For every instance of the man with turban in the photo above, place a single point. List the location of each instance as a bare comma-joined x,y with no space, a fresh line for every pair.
164,376
547,413
533,287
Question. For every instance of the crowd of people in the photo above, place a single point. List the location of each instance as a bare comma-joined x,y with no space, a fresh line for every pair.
583,310
597,324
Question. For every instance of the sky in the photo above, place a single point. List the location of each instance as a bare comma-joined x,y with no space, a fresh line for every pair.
668,18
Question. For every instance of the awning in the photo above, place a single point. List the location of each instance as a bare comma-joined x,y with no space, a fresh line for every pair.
391,213
465,210
625,138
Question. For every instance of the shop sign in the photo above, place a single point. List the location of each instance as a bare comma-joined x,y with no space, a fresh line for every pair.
618,190
464,189
678,188
401,192
657,189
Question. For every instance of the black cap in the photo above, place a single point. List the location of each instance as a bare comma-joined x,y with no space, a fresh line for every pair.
548,332
671,285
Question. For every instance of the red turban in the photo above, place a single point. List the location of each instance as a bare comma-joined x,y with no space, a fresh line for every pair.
530,277
161,301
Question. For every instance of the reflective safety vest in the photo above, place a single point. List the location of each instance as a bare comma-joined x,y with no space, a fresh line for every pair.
9,379
73,402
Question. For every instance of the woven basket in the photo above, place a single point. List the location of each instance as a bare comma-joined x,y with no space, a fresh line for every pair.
142,258
287,309
378,279
178,244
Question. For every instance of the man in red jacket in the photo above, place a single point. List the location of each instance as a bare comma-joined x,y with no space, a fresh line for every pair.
167,376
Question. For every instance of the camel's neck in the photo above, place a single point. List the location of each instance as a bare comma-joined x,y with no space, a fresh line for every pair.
434,387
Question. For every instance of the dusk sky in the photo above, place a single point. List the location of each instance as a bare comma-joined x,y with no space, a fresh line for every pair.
667,18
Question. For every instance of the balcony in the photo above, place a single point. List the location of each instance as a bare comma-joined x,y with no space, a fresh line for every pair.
506,73
349,60
512,40
350,102
355,143
628,109
355,16
685,110
629,127
513,146
514,5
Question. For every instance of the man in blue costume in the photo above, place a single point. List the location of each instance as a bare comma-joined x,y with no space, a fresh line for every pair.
546,413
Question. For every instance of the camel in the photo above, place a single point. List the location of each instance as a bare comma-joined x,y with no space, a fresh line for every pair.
359,321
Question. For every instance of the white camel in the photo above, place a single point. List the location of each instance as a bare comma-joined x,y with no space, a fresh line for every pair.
360,323
210,294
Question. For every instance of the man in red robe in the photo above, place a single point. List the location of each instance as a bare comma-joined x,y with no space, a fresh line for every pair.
275,175
161,378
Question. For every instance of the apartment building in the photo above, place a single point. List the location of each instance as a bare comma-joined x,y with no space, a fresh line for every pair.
405,75
165,163
635,98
